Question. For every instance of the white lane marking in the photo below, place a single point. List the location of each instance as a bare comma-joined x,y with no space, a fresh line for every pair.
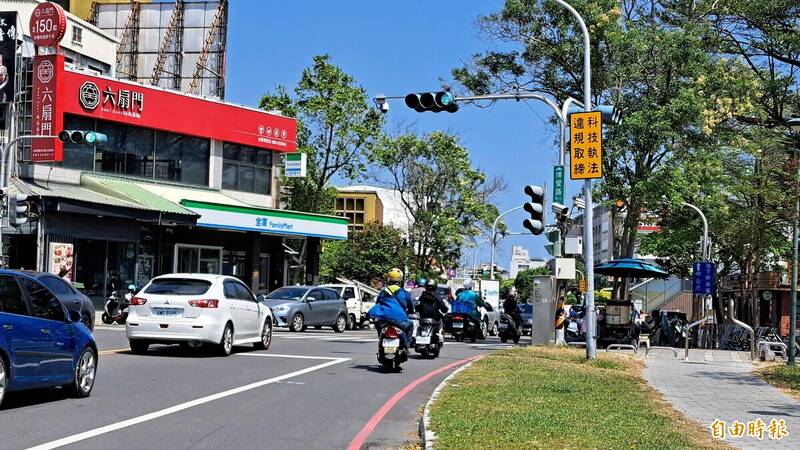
117,328
278,355
183,406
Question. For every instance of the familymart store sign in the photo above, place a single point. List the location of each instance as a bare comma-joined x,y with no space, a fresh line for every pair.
270,221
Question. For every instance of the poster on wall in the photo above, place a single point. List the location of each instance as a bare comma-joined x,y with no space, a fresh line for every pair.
61,260
8,59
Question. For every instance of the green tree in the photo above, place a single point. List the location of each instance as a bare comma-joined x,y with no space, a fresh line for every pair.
672,92
445,198
367,256
524,281
336,129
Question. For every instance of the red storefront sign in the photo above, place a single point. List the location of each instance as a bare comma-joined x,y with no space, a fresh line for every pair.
48,24
48,119
139,105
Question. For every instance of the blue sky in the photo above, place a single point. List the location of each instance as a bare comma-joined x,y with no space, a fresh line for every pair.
395,48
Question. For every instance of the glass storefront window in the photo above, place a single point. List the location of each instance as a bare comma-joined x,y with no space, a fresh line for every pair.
140,152
129,150
183,159
198,259
246,169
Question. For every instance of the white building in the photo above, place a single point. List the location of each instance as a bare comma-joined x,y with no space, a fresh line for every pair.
521,260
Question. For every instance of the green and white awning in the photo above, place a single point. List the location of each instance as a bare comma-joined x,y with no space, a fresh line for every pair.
269,221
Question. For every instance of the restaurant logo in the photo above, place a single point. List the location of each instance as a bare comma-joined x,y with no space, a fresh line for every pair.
89,95
45,71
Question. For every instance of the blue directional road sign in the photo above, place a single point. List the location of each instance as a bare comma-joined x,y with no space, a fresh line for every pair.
703,278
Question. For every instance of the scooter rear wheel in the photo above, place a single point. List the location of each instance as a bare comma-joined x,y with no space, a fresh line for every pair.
106,319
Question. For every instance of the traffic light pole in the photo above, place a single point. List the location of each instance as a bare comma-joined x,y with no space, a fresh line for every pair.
588,238
5,151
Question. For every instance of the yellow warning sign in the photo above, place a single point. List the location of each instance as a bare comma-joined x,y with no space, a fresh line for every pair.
586,145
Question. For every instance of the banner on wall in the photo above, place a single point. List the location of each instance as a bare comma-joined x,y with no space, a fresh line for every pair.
62,260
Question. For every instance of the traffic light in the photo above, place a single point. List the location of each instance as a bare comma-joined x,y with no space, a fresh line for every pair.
535,208
609,113
432,101
82,137
17,209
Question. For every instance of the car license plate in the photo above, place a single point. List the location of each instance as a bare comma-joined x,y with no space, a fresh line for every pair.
388,343
503,326
423,340
458,325
171,313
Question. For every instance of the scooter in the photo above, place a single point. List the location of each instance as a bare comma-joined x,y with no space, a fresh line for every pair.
427,341
461,326
116,307
391,347
509,329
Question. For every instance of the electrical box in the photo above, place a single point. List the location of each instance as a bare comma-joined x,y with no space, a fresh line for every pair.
573,245
564,268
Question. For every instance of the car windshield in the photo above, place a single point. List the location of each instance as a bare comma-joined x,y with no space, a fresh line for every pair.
178,286
288,293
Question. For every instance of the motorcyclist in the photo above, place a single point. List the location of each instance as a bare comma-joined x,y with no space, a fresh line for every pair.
393,305
430,306
472,300
510,306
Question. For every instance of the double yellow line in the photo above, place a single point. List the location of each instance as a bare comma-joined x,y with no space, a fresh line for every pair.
111,352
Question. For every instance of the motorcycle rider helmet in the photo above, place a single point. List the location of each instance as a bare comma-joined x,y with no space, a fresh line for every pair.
468,284
394,276
421,282
431,285
512,293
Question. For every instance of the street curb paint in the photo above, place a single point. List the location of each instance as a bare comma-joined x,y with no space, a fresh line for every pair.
425,433
373,422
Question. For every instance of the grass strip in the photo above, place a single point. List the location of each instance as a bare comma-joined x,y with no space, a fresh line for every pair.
531,398
782,376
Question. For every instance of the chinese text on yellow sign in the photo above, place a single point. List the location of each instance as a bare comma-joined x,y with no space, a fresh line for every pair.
586,144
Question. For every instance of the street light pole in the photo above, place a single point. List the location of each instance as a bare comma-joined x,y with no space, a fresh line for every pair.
794,124
494,238
704,254
588,238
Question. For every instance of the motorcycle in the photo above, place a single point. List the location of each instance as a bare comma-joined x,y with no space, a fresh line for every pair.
461,326
391,347
426,338
509,329
116,307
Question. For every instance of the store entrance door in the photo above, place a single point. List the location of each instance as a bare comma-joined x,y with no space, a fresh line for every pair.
103,266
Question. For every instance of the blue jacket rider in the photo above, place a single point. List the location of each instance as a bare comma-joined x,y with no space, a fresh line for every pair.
393,305
472,299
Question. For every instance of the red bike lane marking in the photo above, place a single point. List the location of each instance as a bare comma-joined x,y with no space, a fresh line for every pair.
373,422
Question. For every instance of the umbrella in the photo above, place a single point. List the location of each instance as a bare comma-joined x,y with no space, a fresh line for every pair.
630,268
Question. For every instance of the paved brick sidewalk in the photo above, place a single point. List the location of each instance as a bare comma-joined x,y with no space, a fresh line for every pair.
718,385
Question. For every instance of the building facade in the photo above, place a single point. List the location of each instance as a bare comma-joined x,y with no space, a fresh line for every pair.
521,260
360,208
183,184
380,205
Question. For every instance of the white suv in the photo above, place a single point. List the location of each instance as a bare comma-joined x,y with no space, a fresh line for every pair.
195,309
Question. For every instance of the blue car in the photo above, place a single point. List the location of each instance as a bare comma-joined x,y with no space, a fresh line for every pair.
42,344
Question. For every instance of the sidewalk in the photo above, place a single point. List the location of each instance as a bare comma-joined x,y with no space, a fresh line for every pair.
717,385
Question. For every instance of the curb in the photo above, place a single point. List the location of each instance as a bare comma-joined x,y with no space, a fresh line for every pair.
429,437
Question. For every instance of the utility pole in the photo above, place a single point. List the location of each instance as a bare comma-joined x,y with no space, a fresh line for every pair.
794,124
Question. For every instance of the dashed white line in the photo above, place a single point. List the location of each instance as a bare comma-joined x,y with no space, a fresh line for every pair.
183,406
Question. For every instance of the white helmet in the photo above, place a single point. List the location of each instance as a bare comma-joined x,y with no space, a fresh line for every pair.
512,291
468,284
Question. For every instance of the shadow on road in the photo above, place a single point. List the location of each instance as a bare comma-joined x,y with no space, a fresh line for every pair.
23,399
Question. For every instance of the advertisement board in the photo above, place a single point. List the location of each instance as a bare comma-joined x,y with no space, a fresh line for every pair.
151,107
490,293
62,259
48,119
295,165
8,50
48,24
